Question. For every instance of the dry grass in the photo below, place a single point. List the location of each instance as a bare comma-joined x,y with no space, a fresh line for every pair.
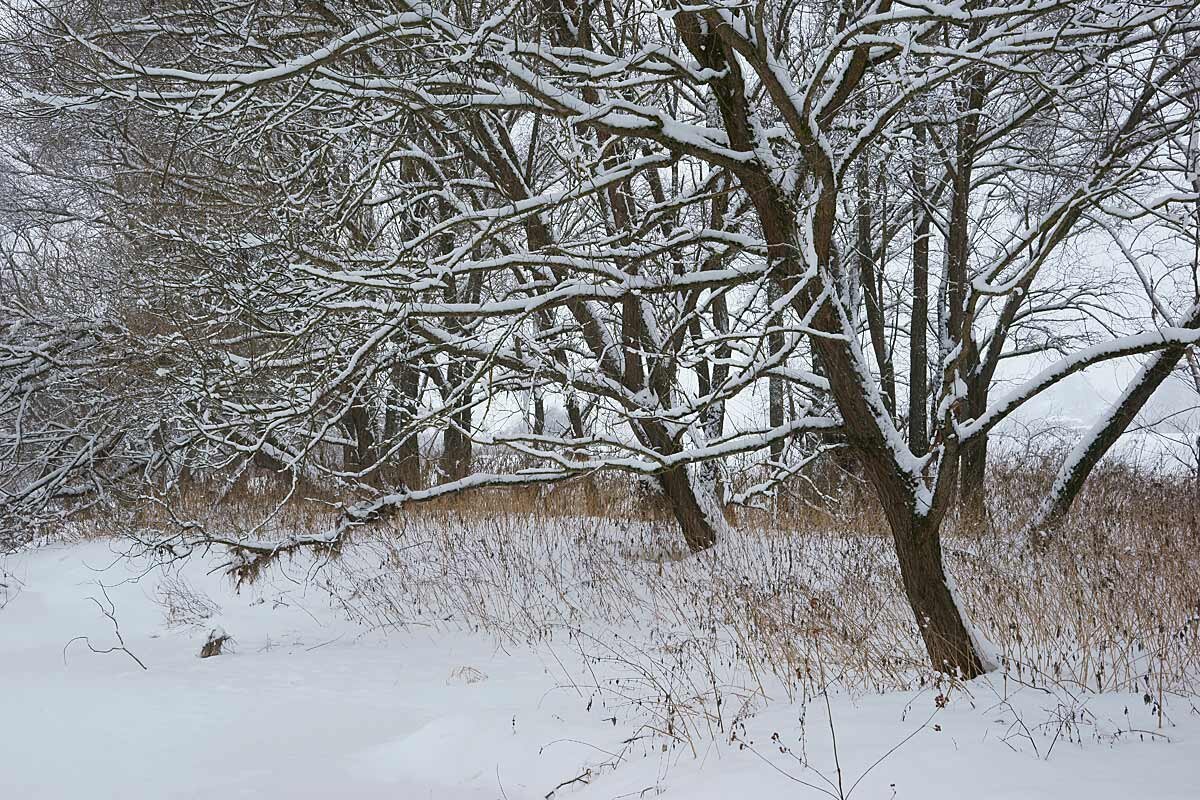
802,596
1114,605
827,497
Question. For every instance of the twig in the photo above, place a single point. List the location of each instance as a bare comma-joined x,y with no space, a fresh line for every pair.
109,612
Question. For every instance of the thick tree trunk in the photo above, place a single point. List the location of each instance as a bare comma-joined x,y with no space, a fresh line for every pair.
948,640
693,502
697,513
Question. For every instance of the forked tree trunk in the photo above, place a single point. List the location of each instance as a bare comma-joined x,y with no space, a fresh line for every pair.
698,515
948,640
693,503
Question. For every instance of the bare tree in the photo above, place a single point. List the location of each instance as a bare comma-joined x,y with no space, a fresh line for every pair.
659,209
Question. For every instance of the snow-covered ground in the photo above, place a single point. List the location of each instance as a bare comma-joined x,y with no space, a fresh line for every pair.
308,704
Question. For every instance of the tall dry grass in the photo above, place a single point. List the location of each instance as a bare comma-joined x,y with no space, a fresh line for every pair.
804,594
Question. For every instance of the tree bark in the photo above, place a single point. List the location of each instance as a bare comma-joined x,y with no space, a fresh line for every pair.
774,383
456,441
575,417
695,508
958,276
948,640
406,463
694,513
539,412
918,352
972,479
714,425
361,454
872,291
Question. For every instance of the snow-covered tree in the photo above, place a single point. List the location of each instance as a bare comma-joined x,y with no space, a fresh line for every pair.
650,210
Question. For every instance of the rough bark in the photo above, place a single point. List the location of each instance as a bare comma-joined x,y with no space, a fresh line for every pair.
694,515
948,641
972,479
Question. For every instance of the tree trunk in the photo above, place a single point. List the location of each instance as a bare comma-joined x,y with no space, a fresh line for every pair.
698,515
539,412
1096,443
775,343
361,455
406,463
456,441
264,460
972,479
872,293
575,417
714,415
948,640
695,507
456,447
918,358
958,275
